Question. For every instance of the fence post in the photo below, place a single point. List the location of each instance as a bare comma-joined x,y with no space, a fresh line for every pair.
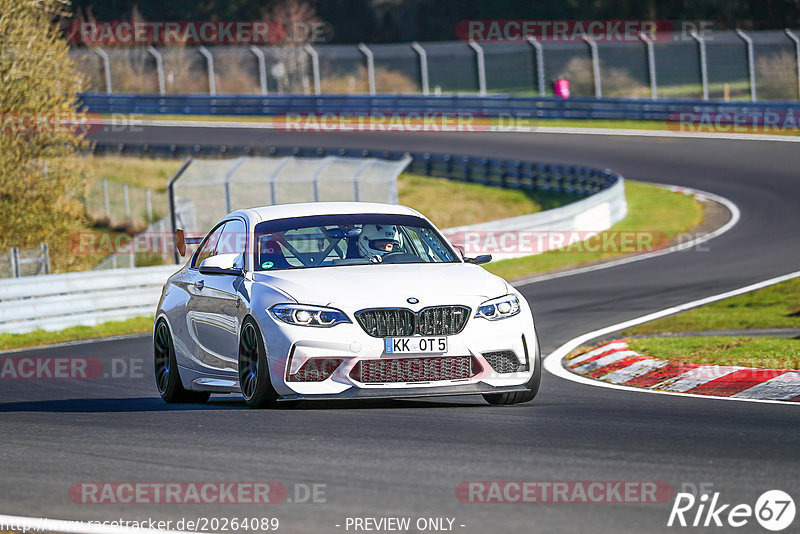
273,194
370,66
598,88
701,50
172,205
162,86
127,200
212,82
751,71
148,200
106,201
314,67
481,66
106,67
262,68
357,176
321,168
423,66
537,46
796,41
14,262
227,180
45,258
651,64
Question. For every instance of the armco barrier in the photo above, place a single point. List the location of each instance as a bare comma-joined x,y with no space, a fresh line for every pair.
57,301
595,213
496,106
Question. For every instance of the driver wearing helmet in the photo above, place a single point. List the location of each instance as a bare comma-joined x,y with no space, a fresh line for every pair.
377,240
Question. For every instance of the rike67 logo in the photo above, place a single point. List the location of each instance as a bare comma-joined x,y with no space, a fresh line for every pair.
774,510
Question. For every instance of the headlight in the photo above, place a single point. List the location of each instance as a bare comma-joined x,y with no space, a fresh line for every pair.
303,315
499,308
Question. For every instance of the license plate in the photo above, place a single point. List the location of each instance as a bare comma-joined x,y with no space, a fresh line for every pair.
415,345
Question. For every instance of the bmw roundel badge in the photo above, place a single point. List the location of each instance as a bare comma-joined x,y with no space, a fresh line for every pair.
412,300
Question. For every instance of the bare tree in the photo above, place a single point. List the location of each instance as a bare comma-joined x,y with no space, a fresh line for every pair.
291,69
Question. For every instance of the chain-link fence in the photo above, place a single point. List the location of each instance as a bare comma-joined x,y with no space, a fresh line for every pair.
208,189
722,65
120,205
25,262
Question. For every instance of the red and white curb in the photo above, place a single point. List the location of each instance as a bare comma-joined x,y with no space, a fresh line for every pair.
616,363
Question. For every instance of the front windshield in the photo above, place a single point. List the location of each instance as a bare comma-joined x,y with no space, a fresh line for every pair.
361,239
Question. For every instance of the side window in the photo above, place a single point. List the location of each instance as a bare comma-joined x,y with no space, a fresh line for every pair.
233,239
207,248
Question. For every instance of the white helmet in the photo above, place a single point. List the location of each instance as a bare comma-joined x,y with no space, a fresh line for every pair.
376,240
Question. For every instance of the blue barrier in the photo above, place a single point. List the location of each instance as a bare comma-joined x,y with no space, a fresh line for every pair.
510,174
495,106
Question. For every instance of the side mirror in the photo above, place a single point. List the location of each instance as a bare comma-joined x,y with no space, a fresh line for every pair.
479,260
180,242
223,264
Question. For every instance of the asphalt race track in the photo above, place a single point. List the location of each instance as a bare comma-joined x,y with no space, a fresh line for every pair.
406,458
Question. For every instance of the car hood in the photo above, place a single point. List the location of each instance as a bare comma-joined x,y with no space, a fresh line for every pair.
355,286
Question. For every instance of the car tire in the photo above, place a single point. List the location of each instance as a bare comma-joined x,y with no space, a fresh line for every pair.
254,376
532,385
168,379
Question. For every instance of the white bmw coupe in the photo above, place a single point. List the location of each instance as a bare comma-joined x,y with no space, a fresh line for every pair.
340,300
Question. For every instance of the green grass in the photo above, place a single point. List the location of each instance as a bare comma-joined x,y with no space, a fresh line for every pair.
652,212
776,306
137,325
761,352
140,172
470,203
552,123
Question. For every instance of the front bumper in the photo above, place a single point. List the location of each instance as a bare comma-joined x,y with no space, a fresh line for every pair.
408,393
290,347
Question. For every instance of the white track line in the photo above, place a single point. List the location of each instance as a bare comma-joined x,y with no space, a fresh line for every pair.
628,132
553,362
632,132
735,216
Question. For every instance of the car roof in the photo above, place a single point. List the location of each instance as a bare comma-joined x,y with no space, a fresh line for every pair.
304,209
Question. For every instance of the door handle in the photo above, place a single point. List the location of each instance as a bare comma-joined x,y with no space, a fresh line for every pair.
199,284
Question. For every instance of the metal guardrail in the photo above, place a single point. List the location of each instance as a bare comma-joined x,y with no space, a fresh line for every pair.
585,217
494,106
57,301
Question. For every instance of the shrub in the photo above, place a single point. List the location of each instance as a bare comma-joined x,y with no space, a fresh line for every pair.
39,183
